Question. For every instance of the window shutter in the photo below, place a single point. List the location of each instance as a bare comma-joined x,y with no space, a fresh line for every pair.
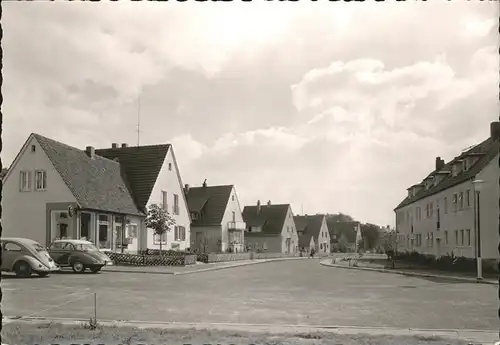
29,180
176,232
44,179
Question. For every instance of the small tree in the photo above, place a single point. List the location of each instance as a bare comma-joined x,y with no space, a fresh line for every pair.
159,220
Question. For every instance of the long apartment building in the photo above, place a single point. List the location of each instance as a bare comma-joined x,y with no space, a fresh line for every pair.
439,214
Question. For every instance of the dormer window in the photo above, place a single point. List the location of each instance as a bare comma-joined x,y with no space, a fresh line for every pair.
465,164
194,215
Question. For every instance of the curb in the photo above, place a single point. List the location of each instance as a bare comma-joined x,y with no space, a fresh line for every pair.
216,268
482,336
411,274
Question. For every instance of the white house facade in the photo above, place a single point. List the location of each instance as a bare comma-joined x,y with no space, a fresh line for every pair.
440,215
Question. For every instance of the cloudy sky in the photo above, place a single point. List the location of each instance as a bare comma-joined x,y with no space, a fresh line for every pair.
332,107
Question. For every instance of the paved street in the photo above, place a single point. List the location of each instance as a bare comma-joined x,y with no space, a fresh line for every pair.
283,292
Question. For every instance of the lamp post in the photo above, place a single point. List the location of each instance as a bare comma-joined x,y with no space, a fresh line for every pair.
478,184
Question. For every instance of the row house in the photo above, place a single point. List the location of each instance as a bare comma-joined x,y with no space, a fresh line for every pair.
439,215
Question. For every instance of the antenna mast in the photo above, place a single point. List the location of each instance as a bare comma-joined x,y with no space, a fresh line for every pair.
138,119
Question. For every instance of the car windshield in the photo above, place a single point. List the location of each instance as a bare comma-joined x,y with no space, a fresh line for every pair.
85,247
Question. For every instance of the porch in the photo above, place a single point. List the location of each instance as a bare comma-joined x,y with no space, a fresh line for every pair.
109,232
236,236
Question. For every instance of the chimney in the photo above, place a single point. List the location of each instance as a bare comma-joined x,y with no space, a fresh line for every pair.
90,151
269,203
258,206
186,189
205,183
439,163
114,145
124,145
495,130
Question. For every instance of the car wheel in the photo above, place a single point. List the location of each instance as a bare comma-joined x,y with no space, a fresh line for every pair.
42,274
95,269
78,267
23,269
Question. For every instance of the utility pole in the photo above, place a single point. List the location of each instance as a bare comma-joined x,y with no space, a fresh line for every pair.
138,119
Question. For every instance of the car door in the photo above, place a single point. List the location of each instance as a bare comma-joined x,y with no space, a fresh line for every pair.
58,252
10,252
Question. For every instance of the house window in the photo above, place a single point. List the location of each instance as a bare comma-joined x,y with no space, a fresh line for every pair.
176,204
462,237
232,197
446,237
159,239
468,237
103,230
456,237
455,199
40,180
234,217
164,200
180,233
33,148
445,205
169,166
431,209
25,181
461,200
132,230
467,196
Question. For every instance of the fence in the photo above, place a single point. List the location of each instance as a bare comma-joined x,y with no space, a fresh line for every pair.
151,259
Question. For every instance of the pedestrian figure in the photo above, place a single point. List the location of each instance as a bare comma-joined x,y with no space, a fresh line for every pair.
312,252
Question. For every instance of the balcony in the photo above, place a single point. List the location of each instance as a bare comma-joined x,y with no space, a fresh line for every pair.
236,225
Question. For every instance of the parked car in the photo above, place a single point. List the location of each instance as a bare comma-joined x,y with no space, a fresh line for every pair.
79,255
25,257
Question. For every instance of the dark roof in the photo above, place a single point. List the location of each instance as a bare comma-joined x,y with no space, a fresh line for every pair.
304,240
271,217
342,228
96,183
210,202
311,225
489,149
141,166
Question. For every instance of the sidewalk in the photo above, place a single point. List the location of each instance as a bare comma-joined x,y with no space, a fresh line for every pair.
366,266
426,335
199,267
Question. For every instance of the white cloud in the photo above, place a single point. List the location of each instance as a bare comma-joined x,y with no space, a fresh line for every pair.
295,103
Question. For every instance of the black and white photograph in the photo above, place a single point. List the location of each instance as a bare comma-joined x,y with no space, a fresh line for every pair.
257,172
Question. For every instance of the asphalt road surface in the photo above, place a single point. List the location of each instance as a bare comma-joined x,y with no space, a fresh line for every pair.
284,292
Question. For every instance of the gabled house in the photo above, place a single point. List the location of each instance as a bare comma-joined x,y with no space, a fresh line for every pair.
53,190
344,236
216,220
313,227
270,228
153,176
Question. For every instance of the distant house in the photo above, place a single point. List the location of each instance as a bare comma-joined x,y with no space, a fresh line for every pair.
313,232
344,235
153,176
217,223
270,228
53,190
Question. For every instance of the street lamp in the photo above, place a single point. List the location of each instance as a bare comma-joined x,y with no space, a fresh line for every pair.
478,185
